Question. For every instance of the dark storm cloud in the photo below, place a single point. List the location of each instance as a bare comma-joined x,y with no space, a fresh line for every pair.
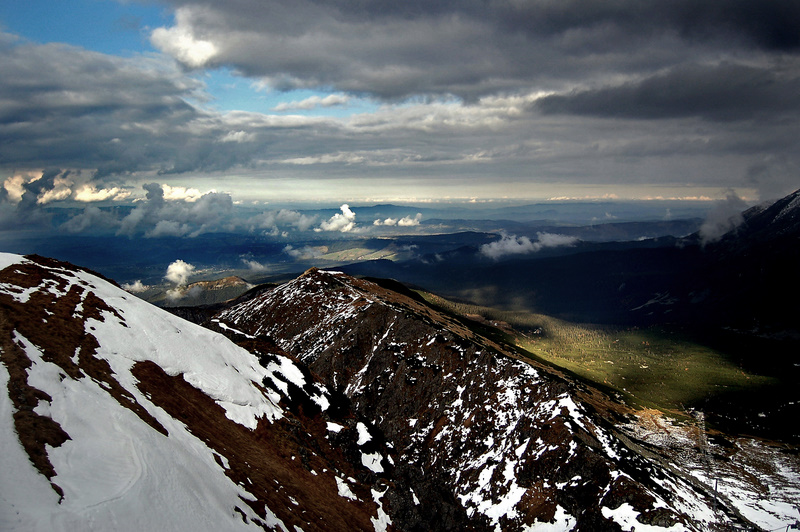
468,48
716,92
615,67
67,107
771,24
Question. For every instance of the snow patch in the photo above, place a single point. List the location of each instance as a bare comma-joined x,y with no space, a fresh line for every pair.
382,521
334,427
363,434
372,462
9,259
344,489
625,516
562,521
114,468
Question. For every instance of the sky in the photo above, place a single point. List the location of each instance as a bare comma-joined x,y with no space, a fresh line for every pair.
343,101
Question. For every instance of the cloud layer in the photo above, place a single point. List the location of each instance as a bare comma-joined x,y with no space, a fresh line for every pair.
467,98
470,48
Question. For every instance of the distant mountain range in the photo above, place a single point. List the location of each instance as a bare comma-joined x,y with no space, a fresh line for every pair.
331,403
253,248
740,281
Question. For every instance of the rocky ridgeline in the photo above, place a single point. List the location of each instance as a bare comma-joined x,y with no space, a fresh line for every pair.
483,440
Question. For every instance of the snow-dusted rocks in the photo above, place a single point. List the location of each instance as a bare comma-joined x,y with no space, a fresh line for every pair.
486,441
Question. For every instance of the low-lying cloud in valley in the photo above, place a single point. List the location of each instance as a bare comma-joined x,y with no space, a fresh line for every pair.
178,273
305,252
254,265
724,217
522,245
136,287
406,221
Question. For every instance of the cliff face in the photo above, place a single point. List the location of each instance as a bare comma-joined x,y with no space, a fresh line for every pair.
484,440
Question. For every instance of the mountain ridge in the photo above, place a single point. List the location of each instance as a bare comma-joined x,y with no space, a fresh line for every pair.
357,362
340,405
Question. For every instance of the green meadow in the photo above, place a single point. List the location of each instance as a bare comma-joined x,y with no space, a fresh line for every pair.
652,367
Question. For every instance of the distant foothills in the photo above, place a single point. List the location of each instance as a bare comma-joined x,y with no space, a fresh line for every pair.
730,269
220,238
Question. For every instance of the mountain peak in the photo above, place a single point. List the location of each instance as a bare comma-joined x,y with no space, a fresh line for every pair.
311,271
785,211
486,439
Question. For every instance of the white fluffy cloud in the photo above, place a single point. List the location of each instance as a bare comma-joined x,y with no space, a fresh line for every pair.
521,245
52,187
343,222
61,190
136,287
179,272
312,102
409,221
88,193
406,221
181,193
15,185
181,41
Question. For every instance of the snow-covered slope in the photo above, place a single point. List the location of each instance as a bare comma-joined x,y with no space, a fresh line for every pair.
115,415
